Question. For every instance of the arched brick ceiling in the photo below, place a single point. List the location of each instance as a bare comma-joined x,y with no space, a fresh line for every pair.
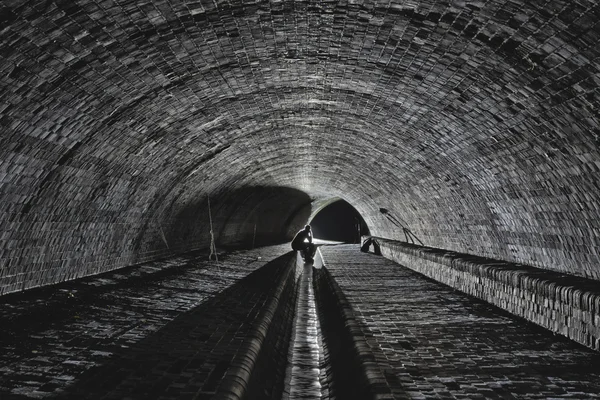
471,123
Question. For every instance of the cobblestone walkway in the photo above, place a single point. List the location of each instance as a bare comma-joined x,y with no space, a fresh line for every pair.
434,343
134,333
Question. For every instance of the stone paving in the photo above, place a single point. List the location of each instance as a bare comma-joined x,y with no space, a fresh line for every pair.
171,329
432,342
134,333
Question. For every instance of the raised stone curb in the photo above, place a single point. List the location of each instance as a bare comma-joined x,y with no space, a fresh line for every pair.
562,303
166,329
240,378
361,365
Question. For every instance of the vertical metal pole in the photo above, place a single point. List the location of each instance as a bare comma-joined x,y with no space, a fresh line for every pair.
213,248
164,238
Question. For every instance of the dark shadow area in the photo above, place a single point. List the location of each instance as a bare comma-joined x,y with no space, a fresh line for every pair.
197,344
245,218
190,355
339,221
437,334
43,308
351,367
267,345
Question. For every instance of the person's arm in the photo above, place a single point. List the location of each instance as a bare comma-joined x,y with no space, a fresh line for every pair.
309,237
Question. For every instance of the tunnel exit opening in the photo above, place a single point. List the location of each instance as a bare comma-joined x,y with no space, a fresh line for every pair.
339,221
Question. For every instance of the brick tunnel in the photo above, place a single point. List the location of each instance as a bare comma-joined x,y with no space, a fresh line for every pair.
137,134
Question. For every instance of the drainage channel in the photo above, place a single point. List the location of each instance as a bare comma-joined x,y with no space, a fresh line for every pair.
305,344
305,358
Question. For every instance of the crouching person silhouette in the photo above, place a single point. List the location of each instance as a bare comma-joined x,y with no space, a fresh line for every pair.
303,242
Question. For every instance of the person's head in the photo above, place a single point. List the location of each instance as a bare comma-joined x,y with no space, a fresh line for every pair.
307,228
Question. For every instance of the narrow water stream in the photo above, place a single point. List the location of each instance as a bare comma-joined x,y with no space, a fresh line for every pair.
305,355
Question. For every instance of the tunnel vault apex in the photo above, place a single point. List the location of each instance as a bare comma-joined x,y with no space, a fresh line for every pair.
473,123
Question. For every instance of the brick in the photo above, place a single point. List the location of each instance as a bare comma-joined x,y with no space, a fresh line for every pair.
154,329
474,123
558,302
432,341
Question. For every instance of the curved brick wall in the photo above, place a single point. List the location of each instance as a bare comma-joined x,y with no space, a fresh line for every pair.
472,124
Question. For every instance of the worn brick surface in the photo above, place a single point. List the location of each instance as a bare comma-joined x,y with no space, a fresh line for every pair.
474,124
136,332
258,367
565,304
351,368
433,342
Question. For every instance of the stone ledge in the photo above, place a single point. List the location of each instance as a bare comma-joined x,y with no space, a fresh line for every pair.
237,382
562,303
354,359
